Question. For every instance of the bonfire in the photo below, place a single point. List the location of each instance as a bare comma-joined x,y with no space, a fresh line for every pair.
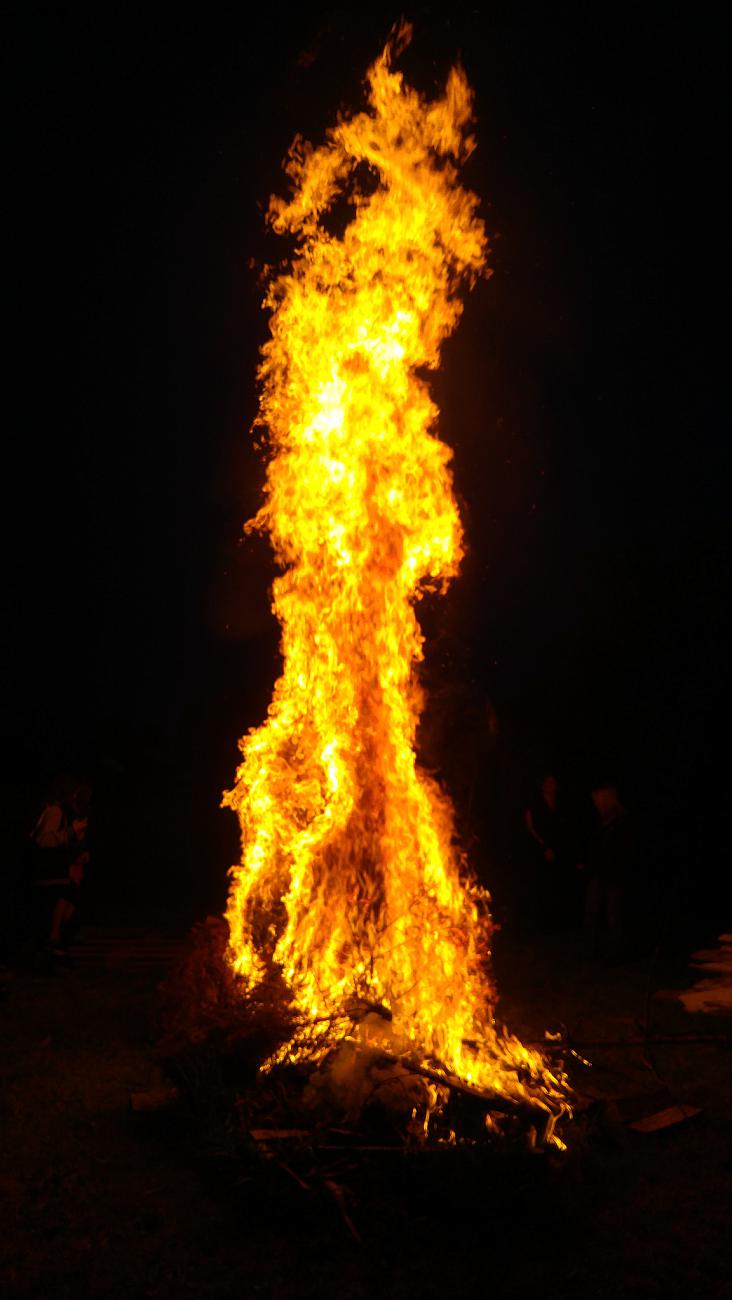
353,898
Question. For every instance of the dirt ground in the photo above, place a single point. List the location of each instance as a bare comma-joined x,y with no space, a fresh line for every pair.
96,1201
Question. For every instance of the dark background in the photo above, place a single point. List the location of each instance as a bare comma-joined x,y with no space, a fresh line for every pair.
581,395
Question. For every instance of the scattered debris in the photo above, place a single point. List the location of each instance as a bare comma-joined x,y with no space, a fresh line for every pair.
665,1118
154,1099
713,993
650,1112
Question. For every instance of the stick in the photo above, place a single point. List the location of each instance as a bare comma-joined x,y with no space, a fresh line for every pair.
522,1109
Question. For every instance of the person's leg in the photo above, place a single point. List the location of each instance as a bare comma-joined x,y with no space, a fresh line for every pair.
593,908
616,938
62,914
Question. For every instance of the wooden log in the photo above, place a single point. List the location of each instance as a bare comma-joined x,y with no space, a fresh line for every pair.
529,1112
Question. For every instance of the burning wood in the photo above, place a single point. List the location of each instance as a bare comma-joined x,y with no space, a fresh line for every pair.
351,890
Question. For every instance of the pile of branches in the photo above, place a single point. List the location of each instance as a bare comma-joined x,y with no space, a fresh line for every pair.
359,1118
214,1036
202,1004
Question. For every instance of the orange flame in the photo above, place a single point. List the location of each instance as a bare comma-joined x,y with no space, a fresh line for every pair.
350,881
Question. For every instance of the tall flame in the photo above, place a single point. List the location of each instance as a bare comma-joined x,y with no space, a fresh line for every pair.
351,883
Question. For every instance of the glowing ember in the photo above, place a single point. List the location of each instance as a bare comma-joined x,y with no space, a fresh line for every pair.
351,883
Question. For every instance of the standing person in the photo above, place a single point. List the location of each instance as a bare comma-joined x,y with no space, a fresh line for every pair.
610,862
554,864
60,854
543,821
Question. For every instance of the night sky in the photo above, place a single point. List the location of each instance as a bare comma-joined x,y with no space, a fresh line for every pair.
581,391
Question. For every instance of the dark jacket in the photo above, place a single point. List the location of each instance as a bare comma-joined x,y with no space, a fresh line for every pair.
612,851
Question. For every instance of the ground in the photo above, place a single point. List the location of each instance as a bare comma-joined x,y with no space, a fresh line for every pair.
98,1201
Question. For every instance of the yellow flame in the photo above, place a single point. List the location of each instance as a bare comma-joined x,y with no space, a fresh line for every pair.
351,882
